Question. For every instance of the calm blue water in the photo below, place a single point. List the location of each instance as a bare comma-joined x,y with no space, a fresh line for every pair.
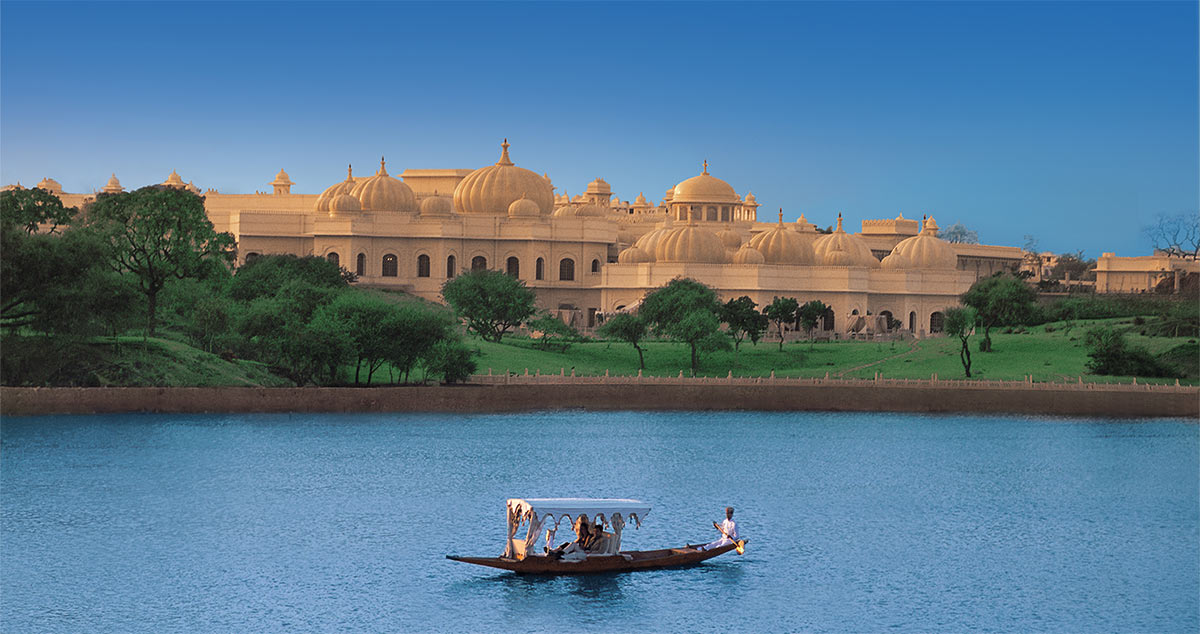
341,523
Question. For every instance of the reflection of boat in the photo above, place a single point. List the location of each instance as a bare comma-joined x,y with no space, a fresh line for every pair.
521,555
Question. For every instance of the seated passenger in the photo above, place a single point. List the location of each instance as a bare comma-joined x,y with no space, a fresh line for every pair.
601,540
578,549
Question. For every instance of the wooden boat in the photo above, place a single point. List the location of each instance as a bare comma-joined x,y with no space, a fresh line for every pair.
625,561
522,556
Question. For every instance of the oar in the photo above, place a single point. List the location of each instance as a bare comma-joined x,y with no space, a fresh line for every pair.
741,543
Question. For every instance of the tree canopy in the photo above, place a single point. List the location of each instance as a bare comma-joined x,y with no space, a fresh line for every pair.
999,300
684,310
744,320
265,274
631,329
781,311
960,322
491,302
157,234
809,314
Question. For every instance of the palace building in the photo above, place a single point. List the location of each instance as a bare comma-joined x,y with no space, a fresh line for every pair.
593,253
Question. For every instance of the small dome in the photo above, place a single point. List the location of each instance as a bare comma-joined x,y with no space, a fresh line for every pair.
704,189
649,241
748,255
565,211
524,208
730,238
592,210
781,245
113,186
640,200
599,186
804,226
343,203
669,195
922,251
175,180
437,206
634,255
690,243
750,199
381,192
857,253
491,189
282,179
50,185
344,187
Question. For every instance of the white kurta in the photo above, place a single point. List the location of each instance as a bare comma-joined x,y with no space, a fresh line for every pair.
730,528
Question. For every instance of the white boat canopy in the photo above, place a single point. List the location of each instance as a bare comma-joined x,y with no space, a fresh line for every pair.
541,512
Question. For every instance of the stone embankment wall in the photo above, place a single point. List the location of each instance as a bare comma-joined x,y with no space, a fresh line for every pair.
517,393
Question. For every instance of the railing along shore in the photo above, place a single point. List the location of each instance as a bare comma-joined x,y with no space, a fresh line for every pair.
525,377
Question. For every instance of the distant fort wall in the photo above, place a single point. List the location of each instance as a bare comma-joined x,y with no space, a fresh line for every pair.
511,394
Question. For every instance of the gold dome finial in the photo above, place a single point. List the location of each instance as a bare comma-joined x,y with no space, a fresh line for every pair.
382,167
504,160
705,171
781,215
839,226
349,172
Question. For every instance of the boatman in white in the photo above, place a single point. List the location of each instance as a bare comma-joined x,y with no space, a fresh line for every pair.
729,532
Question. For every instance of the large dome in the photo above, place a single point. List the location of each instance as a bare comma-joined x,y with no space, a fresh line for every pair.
730,238
344,187
690,243
490,190
649,241
781,245
634,255
384,193
704,189
843,249
437,206
922,251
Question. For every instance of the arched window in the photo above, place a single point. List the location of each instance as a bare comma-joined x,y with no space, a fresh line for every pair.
539,269
566,270
912,322
479,263
334,258
389,265
888,319
937,322
513,267
360,267
451,266
595,266
827,319
712,214
422,265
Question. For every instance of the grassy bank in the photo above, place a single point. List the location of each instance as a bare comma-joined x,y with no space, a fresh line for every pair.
1050,352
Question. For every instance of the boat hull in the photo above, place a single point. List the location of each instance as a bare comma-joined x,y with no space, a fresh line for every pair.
627,561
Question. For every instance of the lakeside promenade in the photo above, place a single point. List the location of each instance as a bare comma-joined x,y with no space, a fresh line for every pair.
520,392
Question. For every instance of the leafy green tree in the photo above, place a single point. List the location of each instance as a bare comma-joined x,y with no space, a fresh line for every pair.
631,329
960,322
684,310
1000,300
808,315
266,274
1110,354
452,360
1076,265
491,302
411,332
782,310
158,234
744,321
366,320
32,210
554,331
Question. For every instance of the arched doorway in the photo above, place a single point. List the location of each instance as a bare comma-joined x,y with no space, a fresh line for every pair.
334,258
937,322
478,263
422,265
888,319
451,266
827,319
360,266
912,322
566,270
512,266
390,265
539,269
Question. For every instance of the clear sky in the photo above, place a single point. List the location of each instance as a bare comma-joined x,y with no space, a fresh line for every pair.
1075,122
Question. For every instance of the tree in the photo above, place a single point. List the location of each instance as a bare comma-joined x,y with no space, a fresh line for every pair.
368,321
491,302
411,332
32,210
266,274
960,322
684,310
1177,235
631,329
1110,354
453,360
553,331
808,315
959,233
1075,265
156,234
999,300
782,310
744,320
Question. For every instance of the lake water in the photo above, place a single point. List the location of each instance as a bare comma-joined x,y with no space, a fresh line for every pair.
857,522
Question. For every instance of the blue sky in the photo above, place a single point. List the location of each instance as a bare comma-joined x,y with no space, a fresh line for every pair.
1074,122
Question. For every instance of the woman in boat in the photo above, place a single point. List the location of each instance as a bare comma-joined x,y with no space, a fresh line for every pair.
578,549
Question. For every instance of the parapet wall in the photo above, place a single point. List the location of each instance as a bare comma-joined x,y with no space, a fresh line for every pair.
711,395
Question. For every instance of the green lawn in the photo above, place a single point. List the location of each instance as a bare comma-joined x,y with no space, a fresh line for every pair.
1058,355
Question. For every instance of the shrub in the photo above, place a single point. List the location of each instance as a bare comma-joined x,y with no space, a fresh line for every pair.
1111,355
